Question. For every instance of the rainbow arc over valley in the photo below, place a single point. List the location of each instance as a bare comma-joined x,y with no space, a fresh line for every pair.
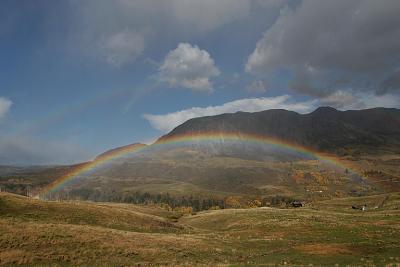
194,137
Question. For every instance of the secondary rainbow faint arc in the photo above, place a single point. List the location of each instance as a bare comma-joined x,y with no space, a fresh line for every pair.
194,137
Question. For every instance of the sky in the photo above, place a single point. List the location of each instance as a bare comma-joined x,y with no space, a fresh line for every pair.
81,77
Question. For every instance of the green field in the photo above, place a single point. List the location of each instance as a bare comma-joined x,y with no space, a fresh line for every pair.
34,232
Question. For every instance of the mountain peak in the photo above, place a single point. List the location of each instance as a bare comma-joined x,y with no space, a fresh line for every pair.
325,110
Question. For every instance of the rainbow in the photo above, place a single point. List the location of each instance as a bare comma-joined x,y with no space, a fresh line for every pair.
89,166
167,141
257,139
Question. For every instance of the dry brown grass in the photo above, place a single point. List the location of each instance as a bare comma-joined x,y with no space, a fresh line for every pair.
117,216
242,237
79,244
325,249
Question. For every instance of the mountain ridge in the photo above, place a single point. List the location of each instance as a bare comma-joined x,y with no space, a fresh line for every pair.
325,129
119,149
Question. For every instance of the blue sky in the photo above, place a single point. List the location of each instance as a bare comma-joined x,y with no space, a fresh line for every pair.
81,77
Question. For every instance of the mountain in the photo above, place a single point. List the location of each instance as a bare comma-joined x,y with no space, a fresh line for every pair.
119,150
367,143
218,168
325,129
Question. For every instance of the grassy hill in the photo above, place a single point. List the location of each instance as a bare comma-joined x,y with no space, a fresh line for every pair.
34,232
219,177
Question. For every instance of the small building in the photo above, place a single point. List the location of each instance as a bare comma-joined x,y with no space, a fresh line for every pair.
363,207
297,204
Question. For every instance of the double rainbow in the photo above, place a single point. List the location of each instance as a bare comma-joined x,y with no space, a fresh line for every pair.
194,138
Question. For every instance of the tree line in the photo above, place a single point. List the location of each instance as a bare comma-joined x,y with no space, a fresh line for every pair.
171,202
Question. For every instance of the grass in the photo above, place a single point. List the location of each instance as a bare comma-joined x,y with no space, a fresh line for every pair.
115,216
38,233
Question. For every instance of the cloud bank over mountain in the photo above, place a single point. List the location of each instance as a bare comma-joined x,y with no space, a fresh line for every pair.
342,100
333,46
167,122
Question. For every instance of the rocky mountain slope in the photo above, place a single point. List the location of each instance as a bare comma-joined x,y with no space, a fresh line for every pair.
325,129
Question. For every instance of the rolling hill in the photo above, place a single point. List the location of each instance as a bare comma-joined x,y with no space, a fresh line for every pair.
46,233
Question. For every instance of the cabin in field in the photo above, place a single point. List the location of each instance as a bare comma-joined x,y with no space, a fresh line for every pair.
297,204
363,207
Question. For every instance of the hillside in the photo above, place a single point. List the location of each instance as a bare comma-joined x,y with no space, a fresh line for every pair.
122,217
365,141
118,150
41,233
325,129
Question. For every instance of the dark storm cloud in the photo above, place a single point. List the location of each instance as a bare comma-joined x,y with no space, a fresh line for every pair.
334,45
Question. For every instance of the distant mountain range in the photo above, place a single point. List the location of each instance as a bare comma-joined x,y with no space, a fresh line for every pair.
325,129
368,138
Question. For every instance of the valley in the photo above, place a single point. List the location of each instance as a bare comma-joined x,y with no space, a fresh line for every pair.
35,232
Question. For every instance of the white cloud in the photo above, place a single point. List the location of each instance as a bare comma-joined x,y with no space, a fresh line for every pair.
339,100
5,105
387,100
344,100
257,87
167,122
122,47
189,67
